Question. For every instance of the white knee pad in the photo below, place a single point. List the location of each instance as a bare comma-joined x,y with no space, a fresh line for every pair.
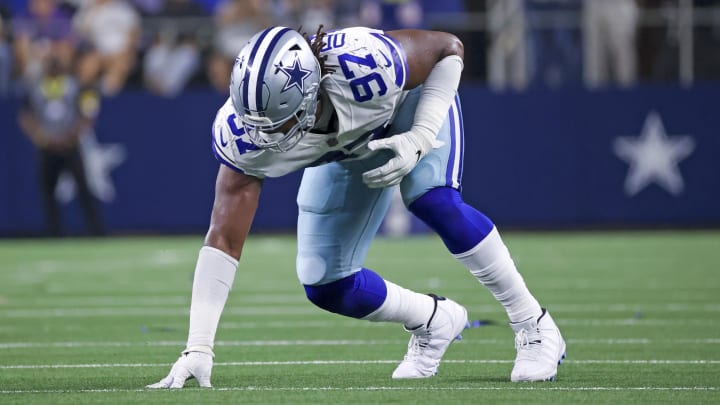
311,268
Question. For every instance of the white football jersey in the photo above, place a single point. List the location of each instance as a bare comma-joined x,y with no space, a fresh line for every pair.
365,91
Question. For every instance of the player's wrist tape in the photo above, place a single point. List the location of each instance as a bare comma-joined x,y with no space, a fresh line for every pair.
199,348
215,255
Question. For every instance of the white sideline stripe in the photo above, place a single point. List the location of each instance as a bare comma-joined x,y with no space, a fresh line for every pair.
364,325
514,387
344,362
140,311
231,343
638,309
172,300
630,322
21,345
562,322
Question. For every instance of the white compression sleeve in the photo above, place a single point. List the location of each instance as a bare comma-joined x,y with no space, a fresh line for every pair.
491,264
403,306
214,275
437,94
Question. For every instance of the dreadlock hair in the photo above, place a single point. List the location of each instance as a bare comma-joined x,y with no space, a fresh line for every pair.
316,44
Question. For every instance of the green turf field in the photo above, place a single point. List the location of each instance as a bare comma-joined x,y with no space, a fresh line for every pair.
94,321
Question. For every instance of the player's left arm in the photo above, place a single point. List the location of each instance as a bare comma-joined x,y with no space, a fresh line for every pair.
425,49
236,200
435,60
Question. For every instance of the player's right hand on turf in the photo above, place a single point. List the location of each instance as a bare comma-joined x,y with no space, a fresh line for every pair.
196,365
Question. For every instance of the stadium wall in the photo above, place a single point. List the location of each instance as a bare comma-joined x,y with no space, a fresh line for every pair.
562,159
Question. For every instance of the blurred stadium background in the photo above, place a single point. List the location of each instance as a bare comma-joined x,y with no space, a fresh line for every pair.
578,114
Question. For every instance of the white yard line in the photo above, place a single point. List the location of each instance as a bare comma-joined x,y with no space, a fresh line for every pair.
338,342
513,387
636,312
148,312
345,362
230,343
334,324
181,323
150,300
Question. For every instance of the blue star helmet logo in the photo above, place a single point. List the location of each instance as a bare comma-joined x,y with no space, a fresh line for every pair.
295,76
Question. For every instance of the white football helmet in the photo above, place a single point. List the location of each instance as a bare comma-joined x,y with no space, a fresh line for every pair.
276,78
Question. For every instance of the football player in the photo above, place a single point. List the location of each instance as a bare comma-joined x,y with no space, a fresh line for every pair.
360,110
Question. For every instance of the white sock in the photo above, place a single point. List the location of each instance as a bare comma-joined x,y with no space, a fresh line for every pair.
403,306
490,262
214,275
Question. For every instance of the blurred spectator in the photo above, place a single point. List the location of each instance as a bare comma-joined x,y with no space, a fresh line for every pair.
707,43
448,15
288,13
186,11
508,54
236,21
658,41
41,32
554,43
208,5
174,57
308,14
110,30
609,28
347,13
148,7
392,14
56,114
5,52
318,12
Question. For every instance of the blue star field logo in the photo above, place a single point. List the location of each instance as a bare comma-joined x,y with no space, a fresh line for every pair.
295,76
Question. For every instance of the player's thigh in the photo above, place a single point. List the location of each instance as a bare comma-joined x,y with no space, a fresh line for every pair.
442,167
337,220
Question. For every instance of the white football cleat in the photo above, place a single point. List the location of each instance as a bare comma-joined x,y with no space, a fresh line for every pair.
540,349
429,342
190,365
